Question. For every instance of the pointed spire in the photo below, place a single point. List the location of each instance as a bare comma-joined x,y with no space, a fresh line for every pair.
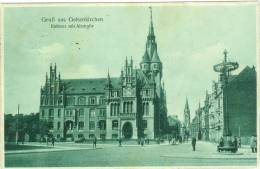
126,61
155,58
187,104
151,30
145,58
108,75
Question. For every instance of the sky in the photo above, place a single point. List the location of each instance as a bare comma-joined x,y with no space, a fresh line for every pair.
190,39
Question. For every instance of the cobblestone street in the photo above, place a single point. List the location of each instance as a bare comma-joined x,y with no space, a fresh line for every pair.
70,154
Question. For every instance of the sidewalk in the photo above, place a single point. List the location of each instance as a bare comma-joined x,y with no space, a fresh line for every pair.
50,148
209,150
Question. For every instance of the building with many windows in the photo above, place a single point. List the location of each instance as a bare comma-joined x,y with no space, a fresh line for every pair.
130,106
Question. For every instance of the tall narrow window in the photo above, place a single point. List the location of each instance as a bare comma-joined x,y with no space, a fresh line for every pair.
118,108
114,124
147,109
81,125
131,107
91,125
92,113
124,107
51,113
58,125
127,107
59,112
43,113
81,112
111,109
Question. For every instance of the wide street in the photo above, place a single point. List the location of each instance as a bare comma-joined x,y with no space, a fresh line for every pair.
72,155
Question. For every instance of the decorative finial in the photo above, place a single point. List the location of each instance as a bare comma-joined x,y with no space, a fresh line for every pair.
151,13
225,55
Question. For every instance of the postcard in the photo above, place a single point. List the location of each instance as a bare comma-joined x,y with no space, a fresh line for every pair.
130,84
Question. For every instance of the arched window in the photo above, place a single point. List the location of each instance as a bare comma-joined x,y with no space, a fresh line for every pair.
82,100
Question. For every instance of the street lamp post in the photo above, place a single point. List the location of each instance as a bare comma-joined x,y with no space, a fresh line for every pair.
17,127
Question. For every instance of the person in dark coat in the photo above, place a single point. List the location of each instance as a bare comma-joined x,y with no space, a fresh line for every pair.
120,142
52,141
193,143
235,143
221,142
94,142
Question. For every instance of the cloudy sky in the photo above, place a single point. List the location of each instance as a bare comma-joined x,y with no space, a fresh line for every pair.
190,39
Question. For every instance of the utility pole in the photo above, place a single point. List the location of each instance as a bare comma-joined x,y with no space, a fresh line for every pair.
17,121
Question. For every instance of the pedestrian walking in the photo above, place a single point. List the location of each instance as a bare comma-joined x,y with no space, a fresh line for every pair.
170,139
239,142
94,142
253,144
142,141
235,143
221,142
193,143
52,141
47,141
120,142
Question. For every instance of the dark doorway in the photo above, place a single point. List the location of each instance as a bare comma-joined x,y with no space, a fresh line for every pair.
127,130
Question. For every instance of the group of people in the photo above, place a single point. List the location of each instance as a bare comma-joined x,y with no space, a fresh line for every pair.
52,139
234,142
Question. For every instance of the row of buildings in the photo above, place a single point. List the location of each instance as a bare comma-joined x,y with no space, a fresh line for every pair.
229,109
130,106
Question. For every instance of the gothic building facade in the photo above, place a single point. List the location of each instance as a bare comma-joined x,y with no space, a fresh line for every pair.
130,106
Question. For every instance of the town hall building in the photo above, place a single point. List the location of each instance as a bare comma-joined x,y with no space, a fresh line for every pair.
130,106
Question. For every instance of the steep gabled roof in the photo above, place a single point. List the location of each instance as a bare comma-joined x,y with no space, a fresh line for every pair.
78,86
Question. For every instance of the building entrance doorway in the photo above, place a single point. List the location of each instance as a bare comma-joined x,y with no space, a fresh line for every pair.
127,130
